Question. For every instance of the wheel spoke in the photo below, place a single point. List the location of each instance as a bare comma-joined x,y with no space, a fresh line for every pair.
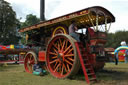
63,45
54,57
67,49
68,67
65,67
68,62
55,50
70,50
60,43
57,67
31,57
32,61
62,69
52,53
70,59
28,58
54,61
55,46
66,44
58,47
68,55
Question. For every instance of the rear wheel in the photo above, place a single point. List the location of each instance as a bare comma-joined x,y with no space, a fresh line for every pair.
62,59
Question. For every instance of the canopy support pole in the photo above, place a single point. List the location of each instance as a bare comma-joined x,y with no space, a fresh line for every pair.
106,24
91,22
97,22
109,27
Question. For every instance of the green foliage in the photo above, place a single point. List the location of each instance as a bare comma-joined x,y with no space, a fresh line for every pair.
30,20
8,24
114,39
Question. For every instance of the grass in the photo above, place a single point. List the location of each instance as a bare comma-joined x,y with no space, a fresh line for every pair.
113,74
110,75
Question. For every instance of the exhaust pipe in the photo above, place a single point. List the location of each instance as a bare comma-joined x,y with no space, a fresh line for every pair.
42,10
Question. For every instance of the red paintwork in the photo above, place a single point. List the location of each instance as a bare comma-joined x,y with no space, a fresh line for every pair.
91,32
4,47
29,61
85,65
42,56
21,59
48,59
121,57
96,39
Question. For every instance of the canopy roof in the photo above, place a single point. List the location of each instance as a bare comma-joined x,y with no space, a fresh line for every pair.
82,17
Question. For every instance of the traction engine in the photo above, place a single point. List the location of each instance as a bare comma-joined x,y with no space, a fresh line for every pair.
61,54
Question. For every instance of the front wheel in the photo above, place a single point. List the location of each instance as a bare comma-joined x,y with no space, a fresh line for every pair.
29,60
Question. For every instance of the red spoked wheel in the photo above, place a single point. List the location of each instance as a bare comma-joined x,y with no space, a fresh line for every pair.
61,56
29,61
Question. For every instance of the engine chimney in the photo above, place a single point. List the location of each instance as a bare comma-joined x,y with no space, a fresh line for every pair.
42,10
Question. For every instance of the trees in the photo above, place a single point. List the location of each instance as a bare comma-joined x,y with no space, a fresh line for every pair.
30,20
114,39
8,24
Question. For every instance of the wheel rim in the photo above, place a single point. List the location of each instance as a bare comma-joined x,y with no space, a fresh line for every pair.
29,62
61,57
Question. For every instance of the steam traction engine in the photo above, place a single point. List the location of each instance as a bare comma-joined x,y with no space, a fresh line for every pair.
60,53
